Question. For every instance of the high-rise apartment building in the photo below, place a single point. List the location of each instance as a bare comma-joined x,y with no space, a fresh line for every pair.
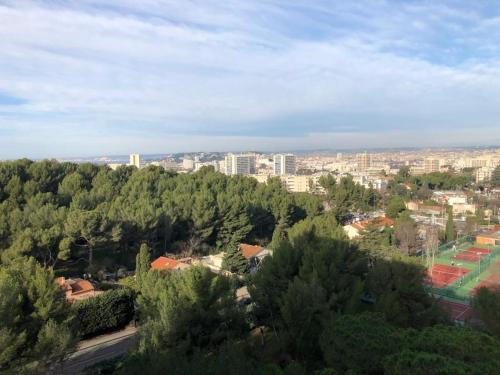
431,165
284,164
188,164
135,160
364,161
240,164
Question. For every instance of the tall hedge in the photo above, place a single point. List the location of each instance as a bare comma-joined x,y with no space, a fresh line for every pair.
106,312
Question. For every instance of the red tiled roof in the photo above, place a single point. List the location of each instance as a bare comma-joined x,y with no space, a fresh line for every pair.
376,222
249,251
82,286
164,263
358,226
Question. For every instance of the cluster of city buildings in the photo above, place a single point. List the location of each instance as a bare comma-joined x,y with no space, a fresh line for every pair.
302,173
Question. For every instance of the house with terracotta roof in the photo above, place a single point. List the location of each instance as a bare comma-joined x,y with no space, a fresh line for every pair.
354,230
77,289
254,255
491,237
168,264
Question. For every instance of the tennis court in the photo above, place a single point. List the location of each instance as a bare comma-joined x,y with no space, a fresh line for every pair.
472,254
458,312
441,275
460,267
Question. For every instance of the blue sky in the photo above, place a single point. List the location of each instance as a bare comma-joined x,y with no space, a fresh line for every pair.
88,77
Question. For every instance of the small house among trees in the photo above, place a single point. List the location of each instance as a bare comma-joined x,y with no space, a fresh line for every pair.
254,255
77,289
355,229
168,264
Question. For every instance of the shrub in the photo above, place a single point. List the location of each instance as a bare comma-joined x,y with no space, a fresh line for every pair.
109,311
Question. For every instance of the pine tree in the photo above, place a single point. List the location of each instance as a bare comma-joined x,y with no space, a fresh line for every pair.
34,318
280,233
450,233
234,261
142,263
234,221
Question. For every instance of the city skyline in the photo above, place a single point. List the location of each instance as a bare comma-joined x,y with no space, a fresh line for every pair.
83,79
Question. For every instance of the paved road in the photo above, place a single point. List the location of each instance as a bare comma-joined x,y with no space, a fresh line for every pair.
91,355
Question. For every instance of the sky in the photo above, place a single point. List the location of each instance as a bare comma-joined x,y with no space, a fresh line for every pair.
88,77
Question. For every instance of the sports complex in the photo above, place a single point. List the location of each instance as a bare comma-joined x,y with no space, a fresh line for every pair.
461,267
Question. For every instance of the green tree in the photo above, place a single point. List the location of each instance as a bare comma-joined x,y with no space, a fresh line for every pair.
233,221
495,176
34,318
359,343
303,310
105,312
450,233
487,303
280,233
234,261
471,349
271,282
405,234
396,286
85,229
142,263
194,309
418,363
395,206
71,185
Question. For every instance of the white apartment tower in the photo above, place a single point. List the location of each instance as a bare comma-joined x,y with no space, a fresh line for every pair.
284,164
135,160
240,164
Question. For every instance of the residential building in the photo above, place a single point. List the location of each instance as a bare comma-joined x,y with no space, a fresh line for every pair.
77,289
284,164
114,166
169,264
354,230
135,160
449,197
213,163
243,164
431,165
489,238
417,170
425,209
464,208
364,161
484,174
254,255
187,164
299,184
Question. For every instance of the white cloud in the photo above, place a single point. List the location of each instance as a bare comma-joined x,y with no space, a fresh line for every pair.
238,67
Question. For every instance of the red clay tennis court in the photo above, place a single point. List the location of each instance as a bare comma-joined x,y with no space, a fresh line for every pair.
491,282
472,254
457,311
441,275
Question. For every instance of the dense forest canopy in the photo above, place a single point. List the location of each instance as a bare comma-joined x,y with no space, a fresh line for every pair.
61,211
320,304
